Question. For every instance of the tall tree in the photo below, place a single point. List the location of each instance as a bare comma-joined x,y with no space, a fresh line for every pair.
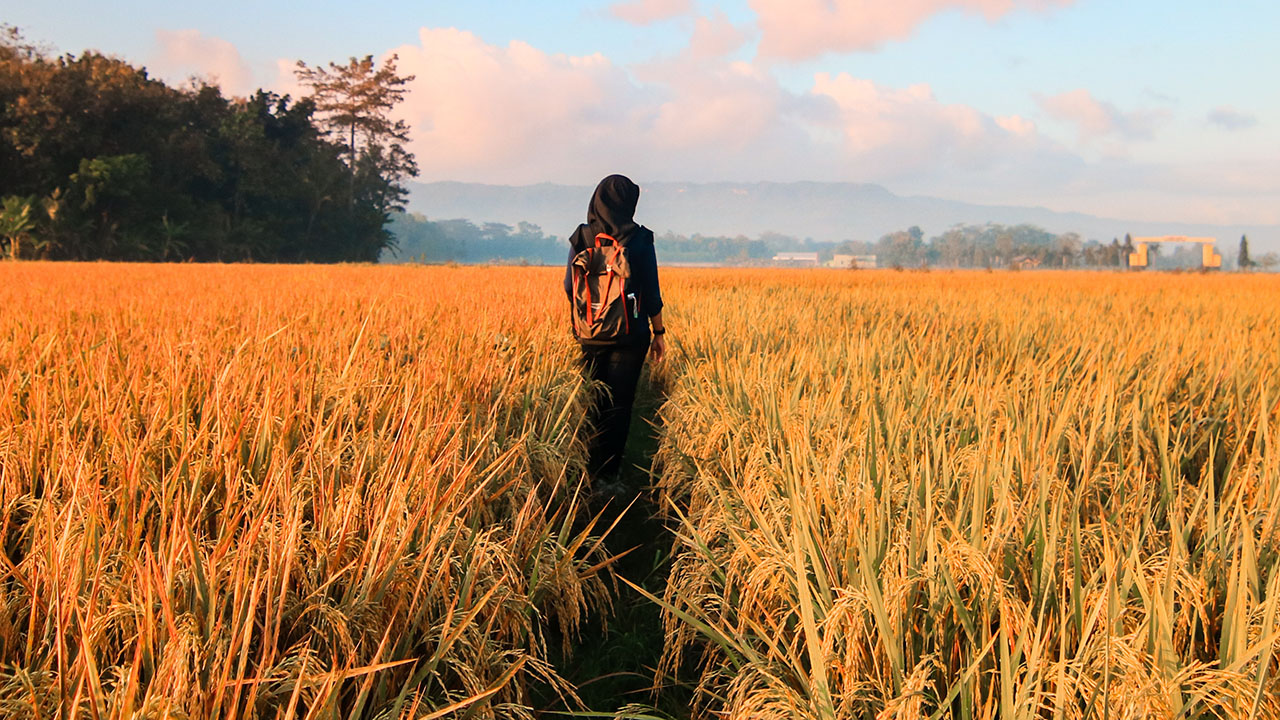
356,101
1067,246
1242,261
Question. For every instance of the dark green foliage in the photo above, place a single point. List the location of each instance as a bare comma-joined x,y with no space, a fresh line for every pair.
1243,260
113,164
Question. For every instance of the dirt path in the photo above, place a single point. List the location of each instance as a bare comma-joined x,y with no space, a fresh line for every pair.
614,663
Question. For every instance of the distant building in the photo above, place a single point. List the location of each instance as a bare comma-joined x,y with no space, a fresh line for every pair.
853,262
1209,257
797,258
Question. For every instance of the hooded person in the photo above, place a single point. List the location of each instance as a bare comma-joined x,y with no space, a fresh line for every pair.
613,207
617,365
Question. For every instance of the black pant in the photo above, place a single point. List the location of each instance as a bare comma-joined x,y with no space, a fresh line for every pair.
618,368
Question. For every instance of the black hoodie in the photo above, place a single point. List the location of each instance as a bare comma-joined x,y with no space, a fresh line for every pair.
612,211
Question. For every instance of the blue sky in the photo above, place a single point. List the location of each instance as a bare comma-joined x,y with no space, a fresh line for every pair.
1130,108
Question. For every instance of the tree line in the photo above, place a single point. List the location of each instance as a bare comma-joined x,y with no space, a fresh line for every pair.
989,245
419,239
1026,246
103,162
992,245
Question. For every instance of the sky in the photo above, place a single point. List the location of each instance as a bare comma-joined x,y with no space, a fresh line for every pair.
1157,110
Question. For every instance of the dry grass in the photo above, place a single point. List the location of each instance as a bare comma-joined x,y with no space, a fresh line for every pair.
975,495
232,492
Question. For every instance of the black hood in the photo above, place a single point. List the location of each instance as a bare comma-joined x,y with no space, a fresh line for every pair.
613,206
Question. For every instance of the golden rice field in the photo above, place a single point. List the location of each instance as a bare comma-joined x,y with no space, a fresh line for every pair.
332,492
235,492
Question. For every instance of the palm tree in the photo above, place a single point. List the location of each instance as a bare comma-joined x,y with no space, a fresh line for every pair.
16,223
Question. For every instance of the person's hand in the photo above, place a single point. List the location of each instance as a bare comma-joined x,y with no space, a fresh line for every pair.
658,348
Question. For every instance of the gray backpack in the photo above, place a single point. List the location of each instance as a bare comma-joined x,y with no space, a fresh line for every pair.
604,302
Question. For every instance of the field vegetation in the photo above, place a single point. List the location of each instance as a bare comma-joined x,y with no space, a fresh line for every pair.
231,492
975,495
333,492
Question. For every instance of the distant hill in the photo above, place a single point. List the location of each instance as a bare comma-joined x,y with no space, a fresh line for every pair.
830,212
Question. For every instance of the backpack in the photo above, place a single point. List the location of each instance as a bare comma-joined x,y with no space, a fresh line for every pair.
604,303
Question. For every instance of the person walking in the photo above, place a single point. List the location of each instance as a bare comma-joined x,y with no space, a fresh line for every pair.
610,255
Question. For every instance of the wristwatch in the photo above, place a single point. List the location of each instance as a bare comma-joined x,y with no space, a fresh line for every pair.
663,331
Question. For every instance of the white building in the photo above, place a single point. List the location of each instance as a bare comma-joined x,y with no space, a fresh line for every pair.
797,258
853,262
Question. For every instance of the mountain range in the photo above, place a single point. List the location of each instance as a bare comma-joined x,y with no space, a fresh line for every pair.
831,212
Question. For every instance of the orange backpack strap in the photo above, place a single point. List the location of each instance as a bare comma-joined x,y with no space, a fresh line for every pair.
586,287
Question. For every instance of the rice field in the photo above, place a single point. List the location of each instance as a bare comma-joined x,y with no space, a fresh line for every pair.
333,492
236,492
976,495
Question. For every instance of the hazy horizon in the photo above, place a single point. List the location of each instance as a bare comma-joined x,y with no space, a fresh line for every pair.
824,212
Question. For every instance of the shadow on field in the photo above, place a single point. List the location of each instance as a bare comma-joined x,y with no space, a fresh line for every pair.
613,664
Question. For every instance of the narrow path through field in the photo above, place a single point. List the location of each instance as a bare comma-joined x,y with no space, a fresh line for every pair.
613,664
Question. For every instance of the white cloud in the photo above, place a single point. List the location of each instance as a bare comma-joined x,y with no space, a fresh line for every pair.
516,113
801,29
715,36
1017,125
1228,118
1094,118
647,12
286,79
189,53
907,132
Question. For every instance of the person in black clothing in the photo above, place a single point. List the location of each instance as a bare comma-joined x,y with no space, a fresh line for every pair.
612,211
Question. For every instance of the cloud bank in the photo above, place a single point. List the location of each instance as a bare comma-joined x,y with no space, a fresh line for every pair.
516,114
802,29
189,53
